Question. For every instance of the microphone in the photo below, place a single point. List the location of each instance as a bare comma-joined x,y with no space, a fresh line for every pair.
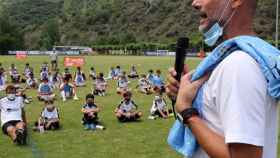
182,45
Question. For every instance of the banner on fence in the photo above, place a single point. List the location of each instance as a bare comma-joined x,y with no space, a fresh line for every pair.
74,61
21,55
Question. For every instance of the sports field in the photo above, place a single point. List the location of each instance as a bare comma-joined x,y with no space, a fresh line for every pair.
144,139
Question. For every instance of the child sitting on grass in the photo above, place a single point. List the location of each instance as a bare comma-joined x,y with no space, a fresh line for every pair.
2,79
127,109
159,108
100,85
68,90
122,85
79,78
144,85
90,111
31,81
133,73
92,73
49,119
45,90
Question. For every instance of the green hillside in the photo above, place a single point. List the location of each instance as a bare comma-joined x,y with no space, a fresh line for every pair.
85,22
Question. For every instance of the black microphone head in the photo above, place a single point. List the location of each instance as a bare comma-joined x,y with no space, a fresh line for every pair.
183,42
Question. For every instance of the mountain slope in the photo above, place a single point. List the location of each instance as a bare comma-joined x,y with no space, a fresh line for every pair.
84,22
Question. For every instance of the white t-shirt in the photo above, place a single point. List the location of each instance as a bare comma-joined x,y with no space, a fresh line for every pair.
11,110
53,56
50,115
122,83
127,106
238,106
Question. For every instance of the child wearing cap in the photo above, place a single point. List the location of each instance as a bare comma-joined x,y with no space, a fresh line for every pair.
90,114
127,109
49,119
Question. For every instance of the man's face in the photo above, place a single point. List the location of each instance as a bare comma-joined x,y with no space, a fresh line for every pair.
210,12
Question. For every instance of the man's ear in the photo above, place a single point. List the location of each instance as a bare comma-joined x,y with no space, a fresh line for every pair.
236,3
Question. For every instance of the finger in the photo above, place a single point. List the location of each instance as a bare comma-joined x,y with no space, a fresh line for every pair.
172,71
172,80
170,94
172,88
200,81
186,69
188,76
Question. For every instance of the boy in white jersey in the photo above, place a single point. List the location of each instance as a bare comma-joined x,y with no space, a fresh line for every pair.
122,85
44,74
49,119
100,85
144,85
13,116
127,109
90,111
133,73
159,108
56,78
15,76
31,81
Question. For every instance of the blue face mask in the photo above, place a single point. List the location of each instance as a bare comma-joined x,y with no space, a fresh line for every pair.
213,34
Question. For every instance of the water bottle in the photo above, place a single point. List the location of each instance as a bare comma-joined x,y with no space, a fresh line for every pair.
41,129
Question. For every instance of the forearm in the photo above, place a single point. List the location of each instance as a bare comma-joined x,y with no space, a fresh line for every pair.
211,142
23,117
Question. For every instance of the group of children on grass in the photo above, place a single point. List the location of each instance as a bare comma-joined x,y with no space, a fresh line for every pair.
127,109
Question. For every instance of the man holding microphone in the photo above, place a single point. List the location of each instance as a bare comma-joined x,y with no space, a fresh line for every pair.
229,104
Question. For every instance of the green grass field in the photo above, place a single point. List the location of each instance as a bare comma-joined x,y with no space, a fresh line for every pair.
144,139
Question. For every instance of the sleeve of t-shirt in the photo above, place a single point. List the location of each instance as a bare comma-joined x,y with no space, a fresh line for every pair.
43,114
56,113
1,105
21,101
39,88
241,97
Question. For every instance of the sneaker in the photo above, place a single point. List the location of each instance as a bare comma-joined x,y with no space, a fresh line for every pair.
20,137
26,101
64,99
100,127
151,117
87,127
76,98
